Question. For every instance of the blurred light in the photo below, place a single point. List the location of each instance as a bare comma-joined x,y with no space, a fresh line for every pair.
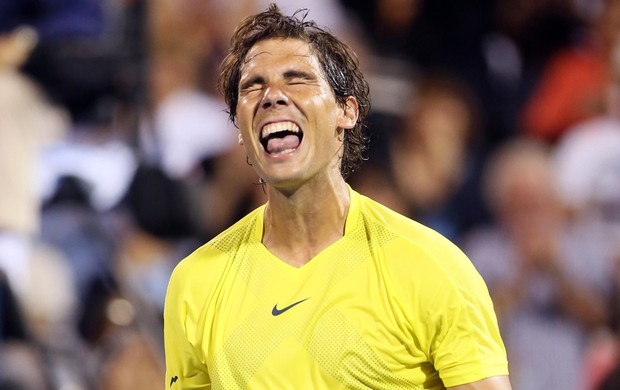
502,58
120,312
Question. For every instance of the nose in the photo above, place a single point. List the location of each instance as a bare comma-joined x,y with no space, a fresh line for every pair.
274,97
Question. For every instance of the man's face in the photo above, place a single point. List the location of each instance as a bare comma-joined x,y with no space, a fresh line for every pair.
288,117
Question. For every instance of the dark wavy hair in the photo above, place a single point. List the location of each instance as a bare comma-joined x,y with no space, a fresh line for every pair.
338,61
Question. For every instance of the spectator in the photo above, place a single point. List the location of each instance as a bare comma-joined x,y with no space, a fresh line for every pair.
75,60
549,279
587,159
429,159
575,83
27,122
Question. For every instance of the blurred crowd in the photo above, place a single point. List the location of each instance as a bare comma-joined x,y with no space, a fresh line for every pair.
495,122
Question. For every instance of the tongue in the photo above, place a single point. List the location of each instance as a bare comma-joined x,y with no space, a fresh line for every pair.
277,145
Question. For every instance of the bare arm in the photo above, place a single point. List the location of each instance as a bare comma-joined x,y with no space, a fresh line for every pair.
492,383
579,301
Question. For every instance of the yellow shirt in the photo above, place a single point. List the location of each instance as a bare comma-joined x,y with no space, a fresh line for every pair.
391,305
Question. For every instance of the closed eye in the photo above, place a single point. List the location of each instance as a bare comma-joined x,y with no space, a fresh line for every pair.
291,77
295,77
253,84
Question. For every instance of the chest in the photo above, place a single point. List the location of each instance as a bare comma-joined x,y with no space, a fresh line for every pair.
340,323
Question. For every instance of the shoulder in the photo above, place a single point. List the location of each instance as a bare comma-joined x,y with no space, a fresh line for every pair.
200,271
418,258
443,296
417,241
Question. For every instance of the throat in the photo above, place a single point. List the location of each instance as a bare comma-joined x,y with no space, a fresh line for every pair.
296,246
298,227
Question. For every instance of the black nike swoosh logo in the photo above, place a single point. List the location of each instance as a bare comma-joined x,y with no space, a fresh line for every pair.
276,312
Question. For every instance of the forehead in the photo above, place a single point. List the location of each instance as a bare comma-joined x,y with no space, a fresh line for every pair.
275,52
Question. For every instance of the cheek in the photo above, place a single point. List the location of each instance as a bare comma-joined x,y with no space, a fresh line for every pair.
246,104
245,139
243,120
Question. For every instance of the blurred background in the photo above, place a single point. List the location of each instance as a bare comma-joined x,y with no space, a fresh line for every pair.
495,122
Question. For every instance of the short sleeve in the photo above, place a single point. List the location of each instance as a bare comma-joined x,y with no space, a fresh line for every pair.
466,345
184,368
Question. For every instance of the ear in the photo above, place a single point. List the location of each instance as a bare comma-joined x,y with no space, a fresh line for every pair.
349,114
240,139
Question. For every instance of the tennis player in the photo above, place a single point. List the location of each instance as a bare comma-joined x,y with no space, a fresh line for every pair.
321,287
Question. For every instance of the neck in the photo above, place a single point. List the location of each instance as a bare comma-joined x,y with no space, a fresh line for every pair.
301,224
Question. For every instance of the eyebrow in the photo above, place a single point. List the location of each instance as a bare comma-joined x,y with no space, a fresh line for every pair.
252,81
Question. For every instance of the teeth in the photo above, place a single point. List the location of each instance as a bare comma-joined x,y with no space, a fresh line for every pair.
279,126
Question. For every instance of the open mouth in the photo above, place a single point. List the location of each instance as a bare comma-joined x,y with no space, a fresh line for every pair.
281,137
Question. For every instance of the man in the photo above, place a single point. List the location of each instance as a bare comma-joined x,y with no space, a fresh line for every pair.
321,288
